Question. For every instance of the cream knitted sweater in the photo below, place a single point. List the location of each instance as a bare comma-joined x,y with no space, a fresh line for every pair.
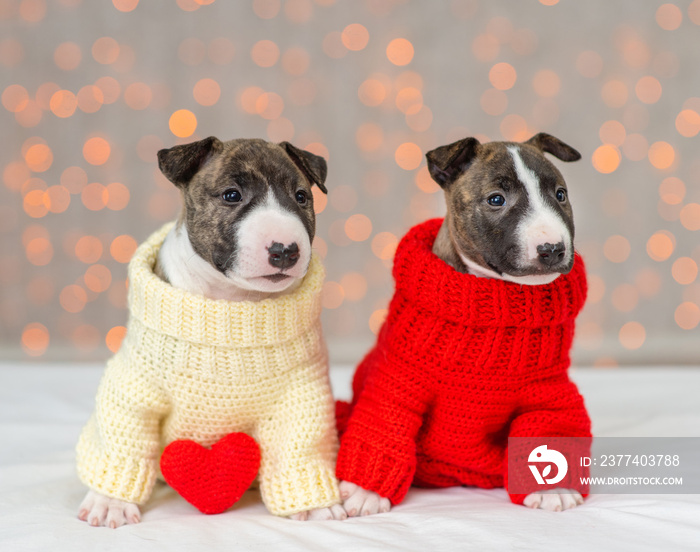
193,368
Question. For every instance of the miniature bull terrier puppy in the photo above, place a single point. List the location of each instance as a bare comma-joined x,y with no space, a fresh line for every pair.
244,234
508,217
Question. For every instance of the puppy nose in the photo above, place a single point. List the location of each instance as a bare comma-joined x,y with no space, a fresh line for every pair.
549,254
283,257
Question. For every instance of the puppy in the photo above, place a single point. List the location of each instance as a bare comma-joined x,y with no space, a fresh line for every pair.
244,235
466,357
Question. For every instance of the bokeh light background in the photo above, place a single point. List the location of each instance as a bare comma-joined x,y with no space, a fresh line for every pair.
91,90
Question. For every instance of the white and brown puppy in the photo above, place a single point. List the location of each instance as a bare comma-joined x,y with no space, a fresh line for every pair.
508,217
244,233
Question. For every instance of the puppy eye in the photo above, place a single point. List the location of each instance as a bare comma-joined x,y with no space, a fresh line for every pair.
496,200
301,197
232,196
561,195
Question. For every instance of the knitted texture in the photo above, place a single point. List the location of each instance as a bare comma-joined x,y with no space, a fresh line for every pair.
194,368
204,477
460,364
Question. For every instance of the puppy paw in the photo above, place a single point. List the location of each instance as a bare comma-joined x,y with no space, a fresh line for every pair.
361,502
554,500
102,511
321,514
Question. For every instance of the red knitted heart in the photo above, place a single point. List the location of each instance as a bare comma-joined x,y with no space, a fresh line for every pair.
212,480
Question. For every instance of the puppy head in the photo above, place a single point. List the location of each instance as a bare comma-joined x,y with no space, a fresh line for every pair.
509,214
248,207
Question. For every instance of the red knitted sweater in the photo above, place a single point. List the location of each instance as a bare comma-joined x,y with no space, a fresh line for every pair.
460,364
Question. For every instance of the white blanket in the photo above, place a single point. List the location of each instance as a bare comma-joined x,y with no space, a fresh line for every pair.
42,409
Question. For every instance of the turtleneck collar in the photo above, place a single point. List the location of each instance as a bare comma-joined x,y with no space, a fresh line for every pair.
434,286
197,319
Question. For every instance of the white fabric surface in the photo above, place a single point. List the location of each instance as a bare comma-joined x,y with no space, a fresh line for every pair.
43,407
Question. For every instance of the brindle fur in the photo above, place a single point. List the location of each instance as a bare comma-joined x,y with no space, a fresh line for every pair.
204,170
469,172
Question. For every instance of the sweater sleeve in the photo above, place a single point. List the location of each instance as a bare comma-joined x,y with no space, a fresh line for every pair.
553,409
118,450
299,444
378,449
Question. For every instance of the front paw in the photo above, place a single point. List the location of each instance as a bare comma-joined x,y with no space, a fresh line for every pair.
361,502
554,500
321,514
99,510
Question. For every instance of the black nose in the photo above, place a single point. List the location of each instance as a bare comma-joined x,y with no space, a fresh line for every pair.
283,257
551,254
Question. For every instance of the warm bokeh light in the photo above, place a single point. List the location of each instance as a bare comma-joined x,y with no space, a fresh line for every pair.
690,216
206,92
648,90
183,123
35,339
400,51
265,53
39,158
613,132
125,5
669,17
660,246
122,248
377,319
98,278
408,156
296,61
502,76
624,297
494,102
74,179
15,98
110,87
687,315
672,190
358,227
369,137
617,249
372,92
589,64
138,96
67,56
114,338
632,335
354,285
636,147
614,93
384,245
332,295
606,158
688,123
96,150
596,289
661,155
73,298
266,9
355,37
57,199
409,100
88,249
90,99
546,83
485,47
63,103
684,270
105,50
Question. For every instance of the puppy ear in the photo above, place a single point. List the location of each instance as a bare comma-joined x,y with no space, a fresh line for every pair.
550,144
180,163
313,166
446,163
